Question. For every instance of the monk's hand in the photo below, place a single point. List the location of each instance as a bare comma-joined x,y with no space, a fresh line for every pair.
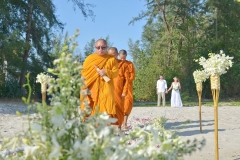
102,72
123,95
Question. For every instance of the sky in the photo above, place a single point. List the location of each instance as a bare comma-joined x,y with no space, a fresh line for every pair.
112,18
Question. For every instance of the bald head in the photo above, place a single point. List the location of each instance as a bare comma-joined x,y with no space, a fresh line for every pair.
102,40
123,54
101,47
113,51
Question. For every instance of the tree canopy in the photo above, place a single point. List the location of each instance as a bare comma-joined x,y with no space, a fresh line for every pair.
27,32
176,33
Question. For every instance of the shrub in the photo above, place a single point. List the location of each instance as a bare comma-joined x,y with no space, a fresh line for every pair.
10,89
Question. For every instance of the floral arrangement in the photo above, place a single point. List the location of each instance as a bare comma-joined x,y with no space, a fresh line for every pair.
216,64
200,76
61,132
175,87
43,78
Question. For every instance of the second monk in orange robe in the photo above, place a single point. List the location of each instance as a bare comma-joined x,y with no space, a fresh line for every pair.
101,97
128,103
120,86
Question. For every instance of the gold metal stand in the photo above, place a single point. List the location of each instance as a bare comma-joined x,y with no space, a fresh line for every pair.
215,87
199,91
44,92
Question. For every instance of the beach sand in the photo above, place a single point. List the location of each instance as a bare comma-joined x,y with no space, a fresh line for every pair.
185,121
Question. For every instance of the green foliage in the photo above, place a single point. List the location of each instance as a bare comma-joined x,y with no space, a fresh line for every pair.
10,89
27,100
27,30
175,34
89,47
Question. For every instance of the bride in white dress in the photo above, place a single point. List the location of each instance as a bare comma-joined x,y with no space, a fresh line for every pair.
175,96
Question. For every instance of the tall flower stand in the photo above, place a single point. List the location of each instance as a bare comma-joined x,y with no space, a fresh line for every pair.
44,92
199,91
215,87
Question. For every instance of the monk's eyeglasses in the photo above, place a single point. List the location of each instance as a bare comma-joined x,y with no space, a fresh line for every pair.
101,47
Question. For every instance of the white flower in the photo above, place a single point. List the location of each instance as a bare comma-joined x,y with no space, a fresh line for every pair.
104,132
216,64
57,121
30,150
36,127
85,148
69,124
61,133
56,149
175,88
43,78
200,76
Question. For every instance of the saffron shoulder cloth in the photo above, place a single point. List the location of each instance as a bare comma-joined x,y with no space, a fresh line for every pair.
101,92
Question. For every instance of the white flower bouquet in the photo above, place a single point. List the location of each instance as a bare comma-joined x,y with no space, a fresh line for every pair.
216,64
200,76
175,88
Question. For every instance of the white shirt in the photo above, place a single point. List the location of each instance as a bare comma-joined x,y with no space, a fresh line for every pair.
161,85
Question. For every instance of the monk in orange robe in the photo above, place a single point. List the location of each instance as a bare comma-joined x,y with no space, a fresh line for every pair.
120,86
95,67
128,103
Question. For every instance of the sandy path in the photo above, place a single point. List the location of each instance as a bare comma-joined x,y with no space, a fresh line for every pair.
229,126
10,123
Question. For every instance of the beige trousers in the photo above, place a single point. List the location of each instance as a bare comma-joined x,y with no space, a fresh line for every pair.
161,95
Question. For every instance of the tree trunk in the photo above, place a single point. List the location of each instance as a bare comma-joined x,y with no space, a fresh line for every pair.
26,52
216,24
167,29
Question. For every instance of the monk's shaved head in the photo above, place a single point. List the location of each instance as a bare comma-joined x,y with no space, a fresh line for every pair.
113,48
113,51
123,54
102,40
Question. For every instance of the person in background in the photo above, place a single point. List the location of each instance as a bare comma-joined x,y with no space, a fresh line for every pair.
175,96
161,90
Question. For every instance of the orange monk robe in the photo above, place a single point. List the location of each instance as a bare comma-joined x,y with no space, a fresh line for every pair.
128,104
121,87
101,92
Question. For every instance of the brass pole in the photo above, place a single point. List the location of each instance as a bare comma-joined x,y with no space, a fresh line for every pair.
200,108
215,93
44,95
44,92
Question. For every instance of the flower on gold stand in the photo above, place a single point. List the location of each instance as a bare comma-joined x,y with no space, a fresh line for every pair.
216,65
44,80
199,77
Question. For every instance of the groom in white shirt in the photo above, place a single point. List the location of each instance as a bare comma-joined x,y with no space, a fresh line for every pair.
161,90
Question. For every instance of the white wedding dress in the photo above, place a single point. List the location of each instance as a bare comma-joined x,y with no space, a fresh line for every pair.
175,96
